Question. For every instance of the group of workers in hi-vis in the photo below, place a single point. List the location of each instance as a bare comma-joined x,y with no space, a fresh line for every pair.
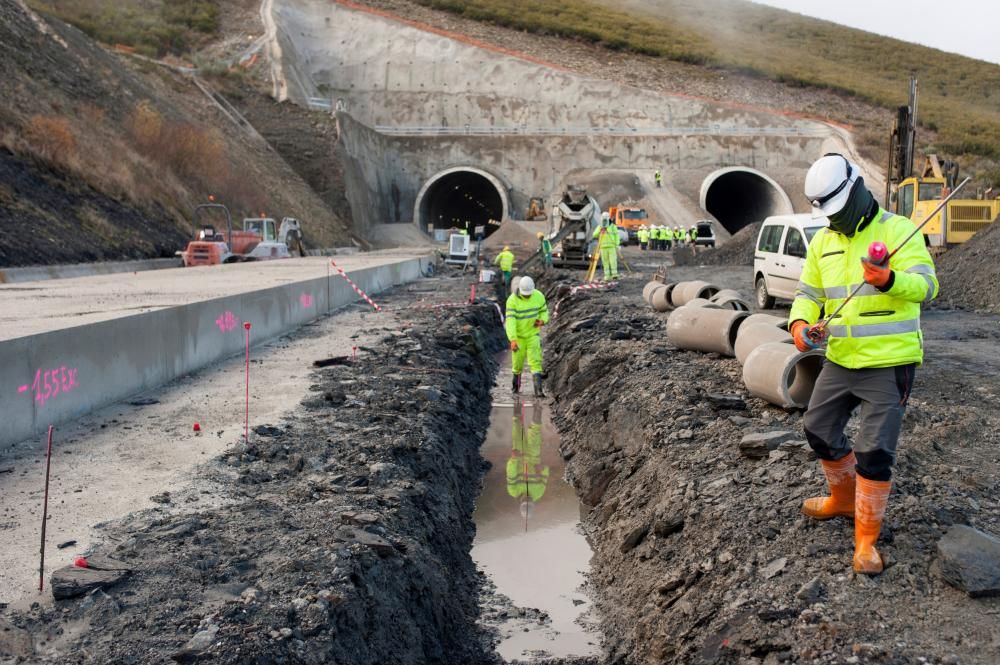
661,238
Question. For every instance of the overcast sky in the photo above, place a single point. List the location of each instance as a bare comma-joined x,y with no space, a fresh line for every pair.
969,27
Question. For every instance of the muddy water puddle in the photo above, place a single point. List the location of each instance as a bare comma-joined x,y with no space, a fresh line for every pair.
528,539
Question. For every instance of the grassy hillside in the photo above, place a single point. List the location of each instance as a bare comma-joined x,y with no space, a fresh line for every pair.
103,157
959,96
152,27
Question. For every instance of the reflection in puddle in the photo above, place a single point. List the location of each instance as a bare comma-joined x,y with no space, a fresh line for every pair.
527,534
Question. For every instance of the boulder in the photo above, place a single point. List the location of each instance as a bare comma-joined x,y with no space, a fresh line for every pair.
970,561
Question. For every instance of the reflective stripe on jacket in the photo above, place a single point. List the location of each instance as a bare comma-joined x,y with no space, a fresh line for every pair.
522,312
875,329
506,261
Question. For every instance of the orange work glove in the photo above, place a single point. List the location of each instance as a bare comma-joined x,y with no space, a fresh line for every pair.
539,323
513,345
876,275
800,334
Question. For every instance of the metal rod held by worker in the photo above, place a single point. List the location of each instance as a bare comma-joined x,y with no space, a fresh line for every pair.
45,513
823,324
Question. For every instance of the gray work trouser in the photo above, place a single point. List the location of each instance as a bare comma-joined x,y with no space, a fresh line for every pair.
882,394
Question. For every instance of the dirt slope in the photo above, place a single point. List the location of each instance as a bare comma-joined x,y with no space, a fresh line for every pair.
970,274
701,555
105,156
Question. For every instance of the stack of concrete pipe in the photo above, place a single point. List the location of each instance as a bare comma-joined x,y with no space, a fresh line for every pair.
657,294
773,368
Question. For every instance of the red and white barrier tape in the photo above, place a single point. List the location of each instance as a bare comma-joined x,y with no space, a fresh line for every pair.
355,287
586,287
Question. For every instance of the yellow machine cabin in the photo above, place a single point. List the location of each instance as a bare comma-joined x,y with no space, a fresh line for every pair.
916,197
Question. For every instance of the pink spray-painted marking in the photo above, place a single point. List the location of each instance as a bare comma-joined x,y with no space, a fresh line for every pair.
246,420
306,300
226,322
45,514
51,383
355,287
472,295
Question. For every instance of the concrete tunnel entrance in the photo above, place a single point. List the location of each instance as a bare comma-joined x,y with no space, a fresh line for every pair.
738,196
459,196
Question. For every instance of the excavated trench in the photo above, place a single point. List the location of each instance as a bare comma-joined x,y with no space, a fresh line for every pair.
529,541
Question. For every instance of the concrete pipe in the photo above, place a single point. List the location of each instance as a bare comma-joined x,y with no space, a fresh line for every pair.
776,321
782,374
704,329
686,291
733,303
753,335
701,302
727,294
660,300
647,291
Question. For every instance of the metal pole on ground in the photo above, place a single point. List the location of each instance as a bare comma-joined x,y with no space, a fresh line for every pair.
246,420
45,513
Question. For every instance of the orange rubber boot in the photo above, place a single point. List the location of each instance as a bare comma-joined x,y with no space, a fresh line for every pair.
872,497
840,477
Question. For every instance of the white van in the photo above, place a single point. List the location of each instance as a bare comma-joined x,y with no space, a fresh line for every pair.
781,254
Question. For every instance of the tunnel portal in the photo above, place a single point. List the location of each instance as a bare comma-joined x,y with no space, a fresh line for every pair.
462,198
738,196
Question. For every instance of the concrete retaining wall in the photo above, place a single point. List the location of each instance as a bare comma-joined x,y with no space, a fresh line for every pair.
102,363
67,271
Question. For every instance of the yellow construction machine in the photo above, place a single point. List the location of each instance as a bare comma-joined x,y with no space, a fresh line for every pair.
961,219
536,210
917,196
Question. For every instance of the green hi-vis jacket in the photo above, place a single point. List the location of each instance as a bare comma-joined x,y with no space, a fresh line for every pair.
609,239
526,475
522,312
643,235
506,261
876,328
546,247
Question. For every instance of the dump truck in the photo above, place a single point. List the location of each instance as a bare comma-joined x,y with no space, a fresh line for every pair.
573,224
629,219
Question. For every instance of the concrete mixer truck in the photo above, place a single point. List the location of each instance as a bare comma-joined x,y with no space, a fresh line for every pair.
573,224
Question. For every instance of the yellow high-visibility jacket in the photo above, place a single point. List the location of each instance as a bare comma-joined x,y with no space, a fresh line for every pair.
526,475
506,261
875,329
522,312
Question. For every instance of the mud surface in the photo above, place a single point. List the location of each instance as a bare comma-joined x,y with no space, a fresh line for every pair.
528,538
347,532
701,554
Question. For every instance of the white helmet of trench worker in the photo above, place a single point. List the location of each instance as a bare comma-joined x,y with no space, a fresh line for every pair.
526,286
829,182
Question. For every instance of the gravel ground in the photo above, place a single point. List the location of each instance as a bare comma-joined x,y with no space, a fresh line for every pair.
701,554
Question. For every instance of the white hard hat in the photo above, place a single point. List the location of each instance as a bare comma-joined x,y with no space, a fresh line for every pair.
828,184
526,286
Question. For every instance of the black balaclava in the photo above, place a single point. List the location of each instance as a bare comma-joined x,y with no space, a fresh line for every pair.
860,207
